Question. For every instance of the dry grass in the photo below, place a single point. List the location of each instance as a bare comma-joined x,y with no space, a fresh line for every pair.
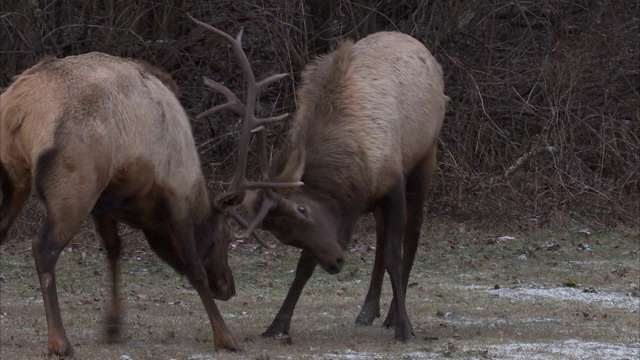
471,295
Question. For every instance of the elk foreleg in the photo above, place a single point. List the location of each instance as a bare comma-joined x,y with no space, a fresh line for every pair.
222,337
394,213
371,306
282,322
107,229
182,237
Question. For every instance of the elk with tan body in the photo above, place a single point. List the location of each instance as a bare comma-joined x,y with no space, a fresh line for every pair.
364,138
106,136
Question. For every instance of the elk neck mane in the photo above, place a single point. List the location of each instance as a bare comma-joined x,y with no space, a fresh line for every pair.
328,127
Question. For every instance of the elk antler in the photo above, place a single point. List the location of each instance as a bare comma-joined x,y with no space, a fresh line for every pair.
251,124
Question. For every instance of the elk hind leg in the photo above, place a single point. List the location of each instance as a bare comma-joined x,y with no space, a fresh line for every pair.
418,185
65,213
106,227
394,213
63,220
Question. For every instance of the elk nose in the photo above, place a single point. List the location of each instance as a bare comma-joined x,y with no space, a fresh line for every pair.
231,294
223,288
225,294
336,267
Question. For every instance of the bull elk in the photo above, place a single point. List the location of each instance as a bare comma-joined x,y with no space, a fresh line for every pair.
106,136
363,139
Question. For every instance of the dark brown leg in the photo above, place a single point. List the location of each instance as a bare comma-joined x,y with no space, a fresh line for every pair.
282,322
108,231
222,337
64,216
394,213
69,189
418,184
183,240
371,306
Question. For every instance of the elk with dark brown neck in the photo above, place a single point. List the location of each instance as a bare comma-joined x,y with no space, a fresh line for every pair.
363,139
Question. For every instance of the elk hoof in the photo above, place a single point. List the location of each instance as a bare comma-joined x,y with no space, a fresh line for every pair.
404,333
227,343
113,329
284,339
275,330
366,317
61,350
113,333
389,321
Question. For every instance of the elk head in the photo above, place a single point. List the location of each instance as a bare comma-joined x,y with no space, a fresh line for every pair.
215,237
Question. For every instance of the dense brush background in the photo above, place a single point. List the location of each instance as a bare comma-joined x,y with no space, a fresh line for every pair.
543,126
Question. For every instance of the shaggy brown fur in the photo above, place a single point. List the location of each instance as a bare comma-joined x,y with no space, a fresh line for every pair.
106,136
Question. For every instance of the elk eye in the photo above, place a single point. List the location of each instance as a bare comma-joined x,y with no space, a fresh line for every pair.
302,210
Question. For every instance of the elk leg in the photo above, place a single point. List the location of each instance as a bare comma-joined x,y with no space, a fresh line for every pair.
222,337
106,227
371,306
46,249
64,216
394,213
282,322
184,242
12,198
418,185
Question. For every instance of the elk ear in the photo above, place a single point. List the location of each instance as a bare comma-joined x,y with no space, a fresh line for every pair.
228,200
294,169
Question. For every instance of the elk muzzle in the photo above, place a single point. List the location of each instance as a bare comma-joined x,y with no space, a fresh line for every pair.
221,283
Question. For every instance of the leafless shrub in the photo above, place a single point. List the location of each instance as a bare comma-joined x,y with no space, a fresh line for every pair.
545,115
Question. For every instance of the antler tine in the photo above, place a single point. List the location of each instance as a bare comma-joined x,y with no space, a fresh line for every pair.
267,204
233,103
261,142
239,177
251,124
270,120
237,217
211,28
236,45
271,79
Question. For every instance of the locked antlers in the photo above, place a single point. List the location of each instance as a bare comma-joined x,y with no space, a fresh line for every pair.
251,125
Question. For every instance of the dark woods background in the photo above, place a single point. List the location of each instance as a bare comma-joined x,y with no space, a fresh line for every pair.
544,119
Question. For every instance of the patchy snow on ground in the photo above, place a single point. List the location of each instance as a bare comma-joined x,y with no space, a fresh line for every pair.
603,299
570,349
565,350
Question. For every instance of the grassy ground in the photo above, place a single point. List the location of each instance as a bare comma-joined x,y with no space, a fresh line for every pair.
532,293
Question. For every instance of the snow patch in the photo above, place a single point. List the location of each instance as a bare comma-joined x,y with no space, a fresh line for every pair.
570,349
606,300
